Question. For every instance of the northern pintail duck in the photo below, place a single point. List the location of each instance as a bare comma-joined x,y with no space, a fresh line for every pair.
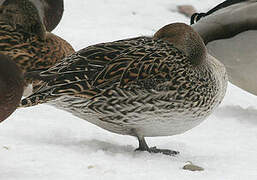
229,31
143,87
23,38
51,12
11,86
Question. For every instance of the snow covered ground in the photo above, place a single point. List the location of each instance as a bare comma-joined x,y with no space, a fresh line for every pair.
43,143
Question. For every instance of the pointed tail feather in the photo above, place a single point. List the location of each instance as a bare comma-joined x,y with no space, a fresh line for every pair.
32,100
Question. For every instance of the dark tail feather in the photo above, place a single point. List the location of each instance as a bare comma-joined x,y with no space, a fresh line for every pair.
32,101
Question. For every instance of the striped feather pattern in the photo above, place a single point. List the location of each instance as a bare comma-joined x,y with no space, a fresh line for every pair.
142,86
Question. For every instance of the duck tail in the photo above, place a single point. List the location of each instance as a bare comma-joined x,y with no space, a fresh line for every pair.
32,100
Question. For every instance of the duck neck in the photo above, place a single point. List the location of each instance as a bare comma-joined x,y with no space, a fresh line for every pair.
194,48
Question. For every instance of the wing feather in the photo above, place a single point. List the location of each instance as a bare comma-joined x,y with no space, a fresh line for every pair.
120,63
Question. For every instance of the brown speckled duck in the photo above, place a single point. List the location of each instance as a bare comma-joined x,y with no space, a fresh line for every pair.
23,38
11,86
143,87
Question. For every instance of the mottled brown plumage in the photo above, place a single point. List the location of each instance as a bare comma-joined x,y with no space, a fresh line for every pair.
11,86
23,37
144,86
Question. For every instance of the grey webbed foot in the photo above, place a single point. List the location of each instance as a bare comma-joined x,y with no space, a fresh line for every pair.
144,147
156,150
163,151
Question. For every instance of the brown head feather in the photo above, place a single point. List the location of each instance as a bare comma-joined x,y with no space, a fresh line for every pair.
184,38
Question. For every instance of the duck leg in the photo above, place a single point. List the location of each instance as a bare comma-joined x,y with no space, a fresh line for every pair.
144,147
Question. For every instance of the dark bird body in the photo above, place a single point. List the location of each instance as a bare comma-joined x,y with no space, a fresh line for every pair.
11,86
144,86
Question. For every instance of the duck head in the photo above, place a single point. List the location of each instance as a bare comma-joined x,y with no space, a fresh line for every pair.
51,12
185,39
11,86
23,16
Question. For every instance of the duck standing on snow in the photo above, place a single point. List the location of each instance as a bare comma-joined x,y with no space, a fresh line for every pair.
229,31
11,86
143,87
24,39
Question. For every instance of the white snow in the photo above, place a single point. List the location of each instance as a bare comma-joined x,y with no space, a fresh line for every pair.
43,143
